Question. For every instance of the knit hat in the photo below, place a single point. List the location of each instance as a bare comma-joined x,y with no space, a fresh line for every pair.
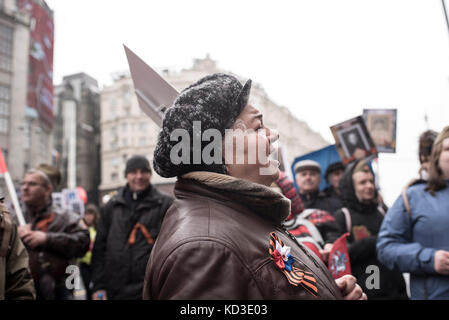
332,168
307,165
214,102
443,135
137,162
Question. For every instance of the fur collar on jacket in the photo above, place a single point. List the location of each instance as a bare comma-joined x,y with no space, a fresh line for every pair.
262,200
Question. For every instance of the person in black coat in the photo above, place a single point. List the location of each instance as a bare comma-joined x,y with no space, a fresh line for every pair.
128,227
362,217
333,175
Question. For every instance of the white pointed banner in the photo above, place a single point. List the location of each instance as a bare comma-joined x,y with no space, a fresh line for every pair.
154,93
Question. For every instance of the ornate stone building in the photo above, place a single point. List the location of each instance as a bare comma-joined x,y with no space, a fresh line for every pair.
126,130
24,138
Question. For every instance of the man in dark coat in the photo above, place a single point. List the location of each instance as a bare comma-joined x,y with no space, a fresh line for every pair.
333,175
128,227
362,217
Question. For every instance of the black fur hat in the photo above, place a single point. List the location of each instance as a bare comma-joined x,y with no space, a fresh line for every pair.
137,162
215,101
335,166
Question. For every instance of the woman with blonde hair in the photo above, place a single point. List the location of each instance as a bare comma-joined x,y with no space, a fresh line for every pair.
414,235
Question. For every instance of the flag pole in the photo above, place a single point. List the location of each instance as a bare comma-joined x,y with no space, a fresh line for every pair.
445,14
11,189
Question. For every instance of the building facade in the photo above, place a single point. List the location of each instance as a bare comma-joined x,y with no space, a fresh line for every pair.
76,135
126,130
24,138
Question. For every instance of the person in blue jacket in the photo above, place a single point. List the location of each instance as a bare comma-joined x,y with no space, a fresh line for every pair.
414,236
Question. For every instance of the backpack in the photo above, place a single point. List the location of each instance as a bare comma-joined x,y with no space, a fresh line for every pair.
301,220
404,193
303,228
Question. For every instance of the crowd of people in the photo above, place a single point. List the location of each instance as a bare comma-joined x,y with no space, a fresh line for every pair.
231,232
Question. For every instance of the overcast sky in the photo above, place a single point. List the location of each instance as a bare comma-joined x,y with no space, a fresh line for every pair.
325,60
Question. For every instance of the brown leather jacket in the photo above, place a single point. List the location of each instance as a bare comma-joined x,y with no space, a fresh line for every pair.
214,244
16,282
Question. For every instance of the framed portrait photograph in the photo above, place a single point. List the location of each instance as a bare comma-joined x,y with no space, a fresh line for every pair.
381,124
353,140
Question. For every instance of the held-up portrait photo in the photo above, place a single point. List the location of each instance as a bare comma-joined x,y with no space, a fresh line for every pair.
353,140
381,124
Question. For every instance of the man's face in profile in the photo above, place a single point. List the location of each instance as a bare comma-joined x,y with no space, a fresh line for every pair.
34,191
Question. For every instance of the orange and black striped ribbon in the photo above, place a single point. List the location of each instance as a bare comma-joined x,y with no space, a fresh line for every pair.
296,276
144,230
43,224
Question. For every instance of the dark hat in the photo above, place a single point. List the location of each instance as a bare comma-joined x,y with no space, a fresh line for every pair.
215,101
53,173
137,162
332,168
426,140
307,165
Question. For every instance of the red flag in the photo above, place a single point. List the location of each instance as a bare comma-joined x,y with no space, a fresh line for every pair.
82,194
3,168
11,189
339,263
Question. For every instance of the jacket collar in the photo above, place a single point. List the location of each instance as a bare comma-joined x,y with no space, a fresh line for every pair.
312,195
150,197
234,192
33,217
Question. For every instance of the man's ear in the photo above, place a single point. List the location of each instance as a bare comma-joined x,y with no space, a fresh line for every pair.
49,189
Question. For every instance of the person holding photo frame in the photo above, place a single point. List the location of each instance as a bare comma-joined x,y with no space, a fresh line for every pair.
361,217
